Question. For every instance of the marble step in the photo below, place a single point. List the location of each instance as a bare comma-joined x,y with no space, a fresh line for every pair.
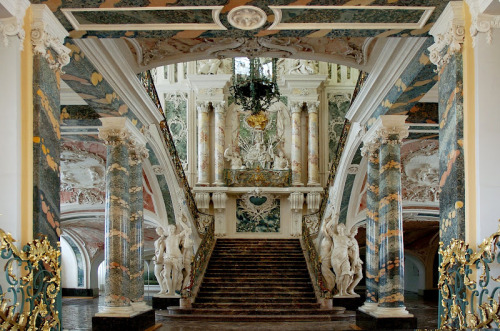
277,247
262,280
268,294
266,262
255,241
251,277
217,288
255,305
256,311
285,269
259,318
260,300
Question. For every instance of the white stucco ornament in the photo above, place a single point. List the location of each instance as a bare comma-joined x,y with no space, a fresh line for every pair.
247,17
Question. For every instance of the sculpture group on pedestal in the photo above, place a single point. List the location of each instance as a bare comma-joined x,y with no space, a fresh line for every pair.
339,251
173,255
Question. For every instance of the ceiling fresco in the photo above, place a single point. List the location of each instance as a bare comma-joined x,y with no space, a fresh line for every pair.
210,19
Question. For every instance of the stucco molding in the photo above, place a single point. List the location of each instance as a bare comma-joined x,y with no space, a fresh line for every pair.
47,35
13,26
448,33
482,22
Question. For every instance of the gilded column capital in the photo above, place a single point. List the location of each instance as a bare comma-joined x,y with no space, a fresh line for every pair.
312,106
137,151
219,106
48,33
393,135
448,33
202,106
296,107
13,26
113,136
370,147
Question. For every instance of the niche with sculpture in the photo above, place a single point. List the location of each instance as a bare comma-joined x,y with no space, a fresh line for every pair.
257,154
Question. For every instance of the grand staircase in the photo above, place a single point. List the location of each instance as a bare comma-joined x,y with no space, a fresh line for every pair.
257,280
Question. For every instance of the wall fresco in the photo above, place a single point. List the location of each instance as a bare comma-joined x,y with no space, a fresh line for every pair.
337,108
176,114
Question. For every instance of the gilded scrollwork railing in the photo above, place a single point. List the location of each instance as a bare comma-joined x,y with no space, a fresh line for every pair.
310,225
200,218
31,286
200,261
470,293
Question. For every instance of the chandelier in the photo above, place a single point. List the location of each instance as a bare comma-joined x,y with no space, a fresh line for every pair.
254,86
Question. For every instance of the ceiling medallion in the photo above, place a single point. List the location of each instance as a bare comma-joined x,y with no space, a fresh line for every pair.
247,17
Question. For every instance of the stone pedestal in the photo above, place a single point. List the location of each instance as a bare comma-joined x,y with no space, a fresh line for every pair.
368,322
137,322
164,302
349,303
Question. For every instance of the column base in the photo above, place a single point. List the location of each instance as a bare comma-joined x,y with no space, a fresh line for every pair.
126,311
163,302
297,184
369,322
202,184
219,184
368,307
138,322
313,184
349,302
390,312
140,306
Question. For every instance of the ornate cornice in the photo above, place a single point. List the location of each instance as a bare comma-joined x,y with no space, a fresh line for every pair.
47,36
448,33
481,22
13,26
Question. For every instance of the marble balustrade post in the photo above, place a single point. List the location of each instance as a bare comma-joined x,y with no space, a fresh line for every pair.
117,214
137,154
296,155
220,123
391,250
371,150
203,143
313,144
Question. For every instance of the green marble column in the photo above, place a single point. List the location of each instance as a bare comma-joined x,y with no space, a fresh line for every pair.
117,216
391,250
371,151
137,153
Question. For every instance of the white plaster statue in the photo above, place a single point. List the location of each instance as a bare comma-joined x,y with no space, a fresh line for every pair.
187,255
340,259
325,253
354,259
280,162
234,159
173,259
158,258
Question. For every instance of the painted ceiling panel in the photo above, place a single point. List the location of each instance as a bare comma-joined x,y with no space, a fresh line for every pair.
391,18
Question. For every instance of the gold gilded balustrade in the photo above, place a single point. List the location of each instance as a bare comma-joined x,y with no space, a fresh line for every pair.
469,290
31,285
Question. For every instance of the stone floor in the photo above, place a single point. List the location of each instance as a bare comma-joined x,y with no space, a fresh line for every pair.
78,312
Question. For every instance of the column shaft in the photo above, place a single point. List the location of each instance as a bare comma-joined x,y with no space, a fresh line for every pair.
372,225
220,123
296,154
203,143
391,273
117,224
137,153
313,145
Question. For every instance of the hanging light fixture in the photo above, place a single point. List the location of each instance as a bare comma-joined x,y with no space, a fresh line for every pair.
256,90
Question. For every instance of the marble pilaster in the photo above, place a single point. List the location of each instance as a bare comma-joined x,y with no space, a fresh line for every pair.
371,150
313,144
137,153
296,155
203,143
220,123
391,266
117,216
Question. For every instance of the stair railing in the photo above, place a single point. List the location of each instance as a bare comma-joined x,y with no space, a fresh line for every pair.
204,222
311,222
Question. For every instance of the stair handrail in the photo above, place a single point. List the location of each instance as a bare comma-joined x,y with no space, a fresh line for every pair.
200,262
202,220
311,222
